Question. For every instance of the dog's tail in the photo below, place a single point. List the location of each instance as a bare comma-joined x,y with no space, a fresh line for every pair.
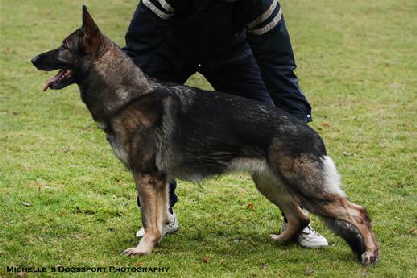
348,232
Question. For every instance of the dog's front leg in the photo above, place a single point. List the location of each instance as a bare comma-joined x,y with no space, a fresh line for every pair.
152,191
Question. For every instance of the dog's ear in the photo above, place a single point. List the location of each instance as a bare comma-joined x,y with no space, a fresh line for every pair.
92,35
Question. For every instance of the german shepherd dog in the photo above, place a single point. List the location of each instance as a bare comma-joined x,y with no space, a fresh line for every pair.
162,132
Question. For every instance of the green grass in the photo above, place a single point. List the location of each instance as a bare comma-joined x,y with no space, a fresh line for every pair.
65,200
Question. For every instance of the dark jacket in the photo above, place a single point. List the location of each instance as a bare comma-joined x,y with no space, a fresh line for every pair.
216,32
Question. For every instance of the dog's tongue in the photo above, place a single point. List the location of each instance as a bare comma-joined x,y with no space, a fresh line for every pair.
49,83
60,75
51,80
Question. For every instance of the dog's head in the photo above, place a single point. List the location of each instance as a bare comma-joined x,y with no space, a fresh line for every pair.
74,56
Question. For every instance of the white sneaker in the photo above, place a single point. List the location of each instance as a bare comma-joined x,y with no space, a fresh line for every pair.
169,228
309,238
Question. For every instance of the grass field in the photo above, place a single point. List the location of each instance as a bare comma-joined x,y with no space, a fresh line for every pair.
66,201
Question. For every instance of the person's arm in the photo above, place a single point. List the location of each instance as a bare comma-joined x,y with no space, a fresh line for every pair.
271,45
146,30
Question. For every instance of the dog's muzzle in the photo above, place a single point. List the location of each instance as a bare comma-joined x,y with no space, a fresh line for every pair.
35,60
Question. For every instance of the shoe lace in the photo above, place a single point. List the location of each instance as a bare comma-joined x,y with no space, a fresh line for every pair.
309,231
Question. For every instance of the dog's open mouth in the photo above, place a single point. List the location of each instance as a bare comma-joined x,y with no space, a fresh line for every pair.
62,79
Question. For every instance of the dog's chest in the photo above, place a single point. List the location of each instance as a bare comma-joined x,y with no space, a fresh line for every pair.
118,149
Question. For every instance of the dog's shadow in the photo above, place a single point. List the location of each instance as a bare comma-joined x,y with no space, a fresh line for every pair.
239,245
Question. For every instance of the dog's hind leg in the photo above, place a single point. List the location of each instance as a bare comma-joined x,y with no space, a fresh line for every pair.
273,189
352,223
152,192
315,182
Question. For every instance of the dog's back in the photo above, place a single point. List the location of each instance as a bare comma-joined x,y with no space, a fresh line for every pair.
207,133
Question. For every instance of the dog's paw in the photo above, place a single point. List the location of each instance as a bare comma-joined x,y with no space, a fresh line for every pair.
136,252
277,237
369,258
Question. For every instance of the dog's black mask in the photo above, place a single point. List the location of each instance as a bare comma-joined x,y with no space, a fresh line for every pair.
83,42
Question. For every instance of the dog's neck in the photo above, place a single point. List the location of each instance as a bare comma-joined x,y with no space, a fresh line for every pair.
112,81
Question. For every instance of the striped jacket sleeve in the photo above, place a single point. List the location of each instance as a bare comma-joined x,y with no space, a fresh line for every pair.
268,17
160,7
270,42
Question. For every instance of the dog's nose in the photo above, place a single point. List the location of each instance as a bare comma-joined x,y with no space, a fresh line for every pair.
34,60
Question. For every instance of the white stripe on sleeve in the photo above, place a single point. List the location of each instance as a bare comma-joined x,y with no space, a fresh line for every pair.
162,14
260,19
268,27
166,6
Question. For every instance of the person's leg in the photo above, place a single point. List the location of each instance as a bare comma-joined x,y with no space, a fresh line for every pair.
271,45
242,77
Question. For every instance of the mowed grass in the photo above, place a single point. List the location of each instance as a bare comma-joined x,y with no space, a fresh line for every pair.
65,199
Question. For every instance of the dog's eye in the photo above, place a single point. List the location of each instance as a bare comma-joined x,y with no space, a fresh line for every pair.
65,45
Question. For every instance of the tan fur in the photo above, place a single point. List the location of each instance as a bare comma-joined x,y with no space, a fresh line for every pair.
274,190
152,191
